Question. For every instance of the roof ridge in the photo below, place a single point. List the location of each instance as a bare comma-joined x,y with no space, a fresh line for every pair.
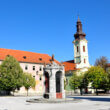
24,51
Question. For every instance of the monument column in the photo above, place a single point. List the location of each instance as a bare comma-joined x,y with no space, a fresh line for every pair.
52,86
56,80
62,86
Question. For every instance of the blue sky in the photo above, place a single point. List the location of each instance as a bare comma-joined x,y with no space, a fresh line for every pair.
48,26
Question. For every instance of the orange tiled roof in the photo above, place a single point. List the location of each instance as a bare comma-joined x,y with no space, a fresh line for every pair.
25,56
70,65
108,65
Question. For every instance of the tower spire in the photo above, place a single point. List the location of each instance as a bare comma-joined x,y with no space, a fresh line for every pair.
78,19
79,33
80,47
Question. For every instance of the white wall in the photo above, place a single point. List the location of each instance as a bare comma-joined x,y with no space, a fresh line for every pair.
81,55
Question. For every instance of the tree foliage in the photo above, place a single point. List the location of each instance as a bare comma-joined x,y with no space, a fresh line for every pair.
108,73
11,74
97,77
102,62
29,81
77,82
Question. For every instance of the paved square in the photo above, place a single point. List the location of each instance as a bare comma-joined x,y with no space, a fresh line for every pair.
86,103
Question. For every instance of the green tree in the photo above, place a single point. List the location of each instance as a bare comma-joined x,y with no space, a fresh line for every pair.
108,72
102,62
97,77
77,82
29,81
11,74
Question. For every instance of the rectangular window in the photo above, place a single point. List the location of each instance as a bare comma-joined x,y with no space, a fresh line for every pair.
84,60
33,76
26,67
83,48
40,69
33,67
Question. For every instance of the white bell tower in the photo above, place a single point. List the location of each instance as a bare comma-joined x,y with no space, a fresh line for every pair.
80,47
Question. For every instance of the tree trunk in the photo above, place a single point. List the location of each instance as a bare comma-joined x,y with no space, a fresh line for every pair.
86,90
81,91
105,91
13,91
27,92
96,92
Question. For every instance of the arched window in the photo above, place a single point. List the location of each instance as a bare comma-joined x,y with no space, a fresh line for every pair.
83,48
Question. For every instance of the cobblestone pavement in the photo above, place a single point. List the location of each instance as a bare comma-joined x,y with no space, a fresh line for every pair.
83,103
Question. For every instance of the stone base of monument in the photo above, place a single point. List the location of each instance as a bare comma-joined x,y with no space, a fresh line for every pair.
42,100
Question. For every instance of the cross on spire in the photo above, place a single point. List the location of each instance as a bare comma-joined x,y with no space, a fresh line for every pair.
78,19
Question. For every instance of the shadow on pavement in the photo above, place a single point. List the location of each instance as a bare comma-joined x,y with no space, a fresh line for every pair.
93,98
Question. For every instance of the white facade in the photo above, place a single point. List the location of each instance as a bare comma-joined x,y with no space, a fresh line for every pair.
36,70
81,53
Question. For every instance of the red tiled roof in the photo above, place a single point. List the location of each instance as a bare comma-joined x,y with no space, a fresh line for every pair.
25,56
70,65
108,65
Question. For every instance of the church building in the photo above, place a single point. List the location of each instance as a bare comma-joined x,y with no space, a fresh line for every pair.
81,58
